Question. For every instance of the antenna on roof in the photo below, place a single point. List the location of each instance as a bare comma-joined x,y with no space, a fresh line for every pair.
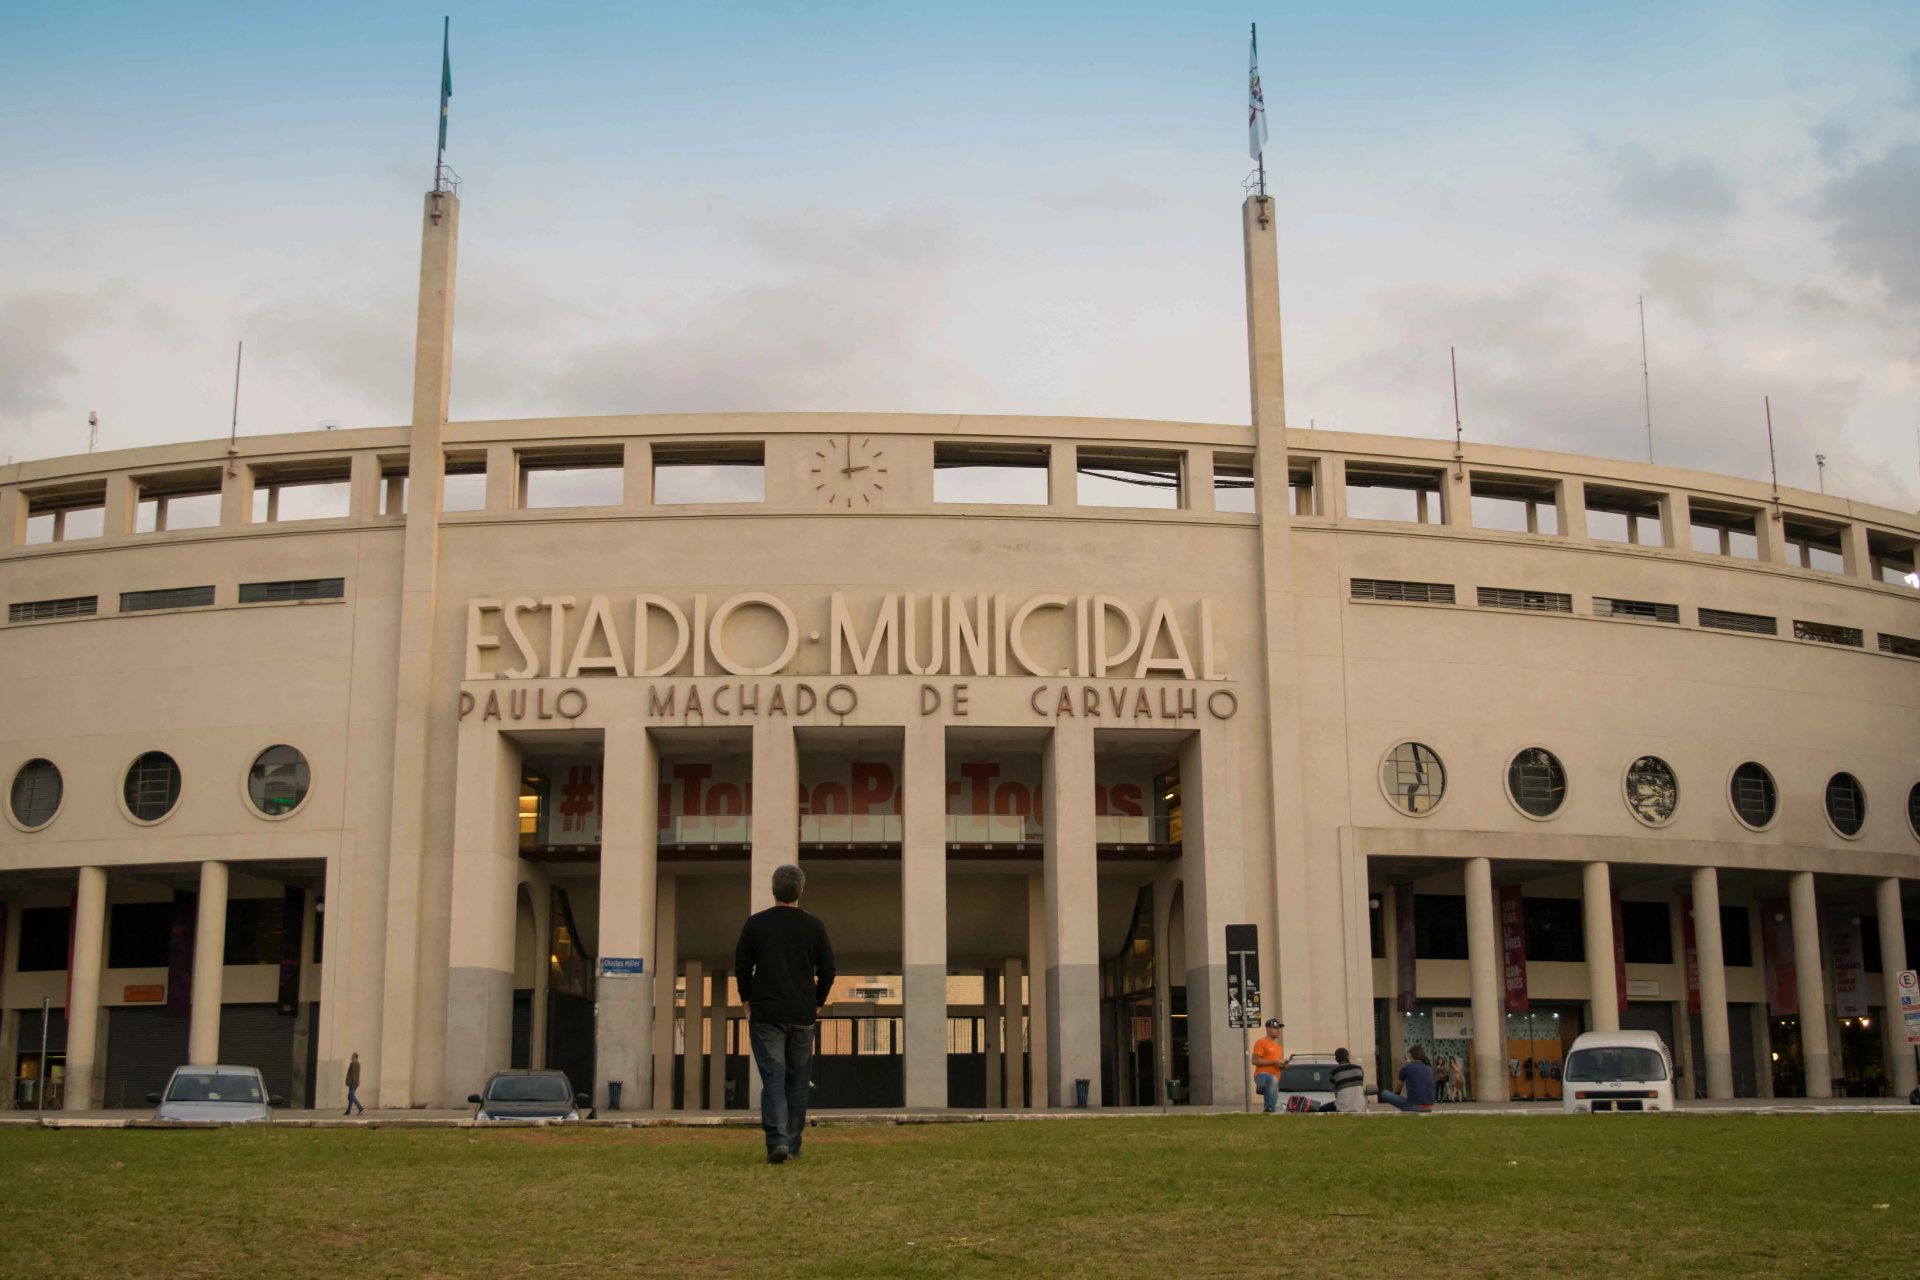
1459,456
1820,464
1646,382
233,434
93,429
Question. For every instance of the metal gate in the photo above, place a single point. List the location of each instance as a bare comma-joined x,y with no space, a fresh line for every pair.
144,1045
259,1035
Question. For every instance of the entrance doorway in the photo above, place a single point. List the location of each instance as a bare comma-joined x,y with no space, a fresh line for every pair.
570,1045
1537,1043
1863,1057
1129,1058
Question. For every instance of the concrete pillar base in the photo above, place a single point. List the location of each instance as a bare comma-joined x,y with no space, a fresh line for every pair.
479,1029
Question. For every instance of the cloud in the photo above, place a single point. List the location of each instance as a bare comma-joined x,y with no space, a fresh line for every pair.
1703,288
1913,79
1687,189
35,328
1873,213
1832,141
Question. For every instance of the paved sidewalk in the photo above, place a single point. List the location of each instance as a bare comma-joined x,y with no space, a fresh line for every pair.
425,1118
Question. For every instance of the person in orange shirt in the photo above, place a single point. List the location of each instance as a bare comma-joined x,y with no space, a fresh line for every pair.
1267,1061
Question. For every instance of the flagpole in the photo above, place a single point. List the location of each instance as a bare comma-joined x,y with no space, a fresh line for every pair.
440,155
1260,159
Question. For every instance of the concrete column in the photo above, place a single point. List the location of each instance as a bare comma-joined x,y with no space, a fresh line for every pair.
1483,980
1810,985
1213,897
990,984
666,967
486,885
1013,1058
209,960
1856,554
1063,475
776,824
1894,958
1196,480
693,1062
1457,488
83,1005
1038,1062
408,944
1396,1021
1165,967
923,906
1072,916
717,1006
364,490
1597,913
1570,508
629,876
1715,1038
1359,1033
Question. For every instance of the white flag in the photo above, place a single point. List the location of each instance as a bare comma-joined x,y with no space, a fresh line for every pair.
1256,105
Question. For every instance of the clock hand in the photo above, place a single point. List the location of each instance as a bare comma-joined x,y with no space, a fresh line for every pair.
847,471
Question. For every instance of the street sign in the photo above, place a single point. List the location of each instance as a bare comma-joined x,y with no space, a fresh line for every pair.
1243,976
1909,984
621,966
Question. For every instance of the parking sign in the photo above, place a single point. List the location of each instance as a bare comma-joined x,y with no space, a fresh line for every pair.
1243,976
1909,985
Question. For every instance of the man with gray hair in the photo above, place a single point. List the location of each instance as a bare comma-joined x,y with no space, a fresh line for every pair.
783,966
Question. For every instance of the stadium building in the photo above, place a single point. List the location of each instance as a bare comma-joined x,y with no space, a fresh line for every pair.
1490,745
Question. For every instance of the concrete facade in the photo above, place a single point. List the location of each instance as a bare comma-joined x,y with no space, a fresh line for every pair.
1263,665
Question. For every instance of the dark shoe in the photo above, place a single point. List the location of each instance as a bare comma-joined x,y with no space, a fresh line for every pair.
777,1156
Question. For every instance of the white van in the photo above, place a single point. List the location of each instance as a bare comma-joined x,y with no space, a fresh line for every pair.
1618,1071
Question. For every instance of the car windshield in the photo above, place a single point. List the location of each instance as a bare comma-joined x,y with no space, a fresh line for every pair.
528,1089
215,1086
1307,1077
1617,1062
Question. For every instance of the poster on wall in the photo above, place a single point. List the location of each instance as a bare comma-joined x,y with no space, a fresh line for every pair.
1849,965
1243,976
1453,1024
1776,942
1513,947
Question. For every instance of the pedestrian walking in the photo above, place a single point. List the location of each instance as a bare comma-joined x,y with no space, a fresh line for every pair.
783,966
353,1086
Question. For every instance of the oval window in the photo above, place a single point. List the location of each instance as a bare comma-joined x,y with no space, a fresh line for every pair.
1537,782
1846,804
1913,811
1753,795
1653,792
1414,778
153,786
36,793
278,781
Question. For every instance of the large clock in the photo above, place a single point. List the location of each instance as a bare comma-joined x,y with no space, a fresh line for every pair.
849,472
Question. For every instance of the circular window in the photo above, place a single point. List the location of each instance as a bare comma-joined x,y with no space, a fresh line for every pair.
1846,804
1753,795
36,794
1913,808
1653,792
1537,782
153,786
278,781
1414,778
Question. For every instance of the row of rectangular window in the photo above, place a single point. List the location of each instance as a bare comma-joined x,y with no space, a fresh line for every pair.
1612,607
140,934
178,598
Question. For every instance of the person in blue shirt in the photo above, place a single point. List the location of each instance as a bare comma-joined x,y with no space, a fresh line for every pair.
1416,1077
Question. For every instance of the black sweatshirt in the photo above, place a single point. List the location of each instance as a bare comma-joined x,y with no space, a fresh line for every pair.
783,966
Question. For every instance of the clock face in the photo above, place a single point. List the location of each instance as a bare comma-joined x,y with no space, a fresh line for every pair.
849,472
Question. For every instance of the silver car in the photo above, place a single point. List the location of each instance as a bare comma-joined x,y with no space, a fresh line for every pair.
232,1094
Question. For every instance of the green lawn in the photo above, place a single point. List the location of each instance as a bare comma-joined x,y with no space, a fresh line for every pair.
1160,1198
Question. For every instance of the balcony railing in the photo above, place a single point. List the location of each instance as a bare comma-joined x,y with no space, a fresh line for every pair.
850,828
1111,828
702,828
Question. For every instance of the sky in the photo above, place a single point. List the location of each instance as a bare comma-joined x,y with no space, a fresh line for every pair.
992,208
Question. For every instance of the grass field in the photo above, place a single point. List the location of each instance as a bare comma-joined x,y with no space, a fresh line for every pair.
1219,1196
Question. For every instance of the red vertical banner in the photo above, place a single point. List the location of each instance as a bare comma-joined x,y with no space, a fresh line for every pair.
1776,942
1513,947
1849,964
1403,944
1619,954
1692,955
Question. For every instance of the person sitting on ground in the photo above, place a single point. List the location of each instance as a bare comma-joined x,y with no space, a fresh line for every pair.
1349,1082
1267,1061
1417,1078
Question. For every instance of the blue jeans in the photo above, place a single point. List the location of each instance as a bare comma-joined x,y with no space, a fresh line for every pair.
784,1054
353,1100
1400,1101
1269,1088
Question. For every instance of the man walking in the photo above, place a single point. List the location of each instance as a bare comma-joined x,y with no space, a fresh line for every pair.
783,966
353,1086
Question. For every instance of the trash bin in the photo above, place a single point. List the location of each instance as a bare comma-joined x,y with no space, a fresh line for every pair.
613,1095
1080,1090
